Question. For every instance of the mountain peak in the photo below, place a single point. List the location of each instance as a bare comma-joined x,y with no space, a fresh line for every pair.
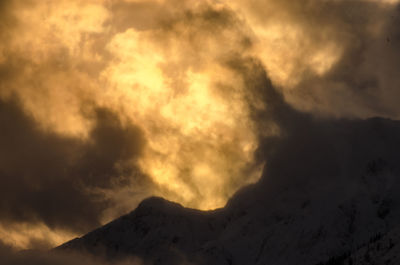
157,204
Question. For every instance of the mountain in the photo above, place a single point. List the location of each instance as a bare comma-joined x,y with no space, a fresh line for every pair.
329,194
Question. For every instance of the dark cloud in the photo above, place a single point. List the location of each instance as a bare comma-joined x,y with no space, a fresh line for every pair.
50,178
363,83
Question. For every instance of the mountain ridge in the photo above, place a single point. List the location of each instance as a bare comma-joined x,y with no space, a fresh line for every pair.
320,204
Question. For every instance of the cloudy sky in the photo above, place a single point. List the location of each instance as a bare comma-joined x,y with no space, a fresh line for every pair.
106,102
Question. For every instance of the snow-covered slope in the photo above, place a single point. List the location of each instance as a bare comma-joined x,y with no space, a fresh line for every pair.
158,230
330,193
379,250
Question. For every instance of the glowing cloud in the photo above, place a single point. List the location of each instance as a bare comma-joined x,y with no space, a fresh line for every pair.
199,139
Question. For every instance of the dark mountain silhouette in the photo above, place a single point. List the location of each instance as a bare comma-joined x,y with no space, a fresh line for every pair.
330,194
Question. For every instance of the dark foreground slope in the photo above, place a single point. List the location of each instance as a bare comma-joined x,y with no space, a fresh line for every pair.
158,230
330,194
